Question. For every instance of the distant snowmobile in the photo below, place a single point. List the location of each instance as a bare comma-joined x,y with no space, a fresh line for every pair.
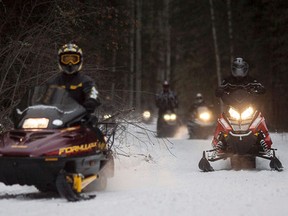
241,134
201,123
167,124
53,148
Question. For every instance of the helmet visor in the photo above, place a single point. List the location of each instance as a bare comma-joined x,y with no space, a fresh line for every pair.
70,58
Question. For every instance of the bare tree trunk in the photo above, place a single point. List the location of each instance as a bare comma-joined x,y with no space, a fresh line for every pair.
229,15
114,75
168,40
138,54
217,57
160,52
132,53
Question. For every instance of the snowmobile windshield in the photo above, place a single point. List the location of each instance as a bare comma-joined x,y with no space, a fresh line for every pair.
49,102
240,99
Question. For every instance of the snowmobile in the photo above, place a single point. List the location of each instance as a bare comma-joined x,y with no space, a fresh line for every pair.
201,123
241,133
167,124
54,146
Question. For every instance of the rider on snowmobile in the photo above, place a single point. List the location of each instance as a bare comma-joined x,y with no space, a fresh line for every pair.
198,101
239,79
80,86
166,99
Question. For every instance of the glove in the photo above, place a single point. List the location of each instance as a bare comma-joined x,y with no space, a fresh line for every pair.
256,88
90,105
91,120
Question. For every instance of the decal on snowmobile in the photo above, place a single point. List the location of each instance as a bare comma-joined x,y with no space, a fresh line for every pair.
19,146
84,147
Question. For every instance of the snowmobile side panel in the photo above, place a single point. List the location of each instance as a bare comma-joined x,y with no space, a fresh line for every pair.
40,171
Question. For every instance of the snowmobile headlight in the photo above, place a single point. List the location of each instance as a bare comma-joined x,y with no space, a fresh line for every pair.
167,117
146,114
170,117
205,116
36,123
107,116
173,117
248,113
234,114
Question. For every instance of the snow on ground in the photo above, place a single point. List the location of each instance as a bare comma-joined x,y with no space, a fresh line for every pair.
161,177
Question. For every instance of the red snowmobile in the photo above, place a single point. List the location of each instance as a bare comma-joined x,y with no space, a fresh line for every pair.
241,133
54,148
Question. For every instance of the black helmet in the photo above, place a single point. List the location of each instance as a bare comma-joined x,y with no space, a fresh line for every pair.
70,58
239,68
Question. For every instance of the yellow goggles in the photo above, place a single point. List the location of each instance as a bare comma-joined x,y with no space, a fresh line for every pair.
70,58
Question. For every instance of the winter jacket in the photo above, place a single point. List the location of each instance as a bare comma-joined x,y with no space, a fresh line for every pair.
166,100
231,83
80,87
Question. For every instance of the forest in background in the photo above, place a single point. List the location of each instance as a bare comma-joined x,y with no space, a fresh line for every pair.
131,46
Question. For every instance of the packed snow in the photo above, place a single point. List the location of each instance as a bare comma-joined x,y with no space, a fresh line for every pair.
161,177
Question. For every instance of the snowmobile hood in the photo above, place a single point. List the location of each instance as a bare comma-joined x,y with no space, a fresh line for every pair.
37,143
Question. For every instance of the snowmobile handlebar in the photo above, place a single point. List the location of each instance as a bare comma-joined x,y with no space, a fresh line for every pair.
119,112
250,87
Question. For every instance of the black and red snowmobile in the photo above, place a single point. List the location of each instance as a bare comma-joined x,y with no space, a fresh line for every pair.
241,133
54,147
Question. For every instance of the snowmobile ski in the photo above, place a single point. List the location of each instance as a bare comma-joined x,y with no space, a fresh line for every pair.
275,163
204,164
65,184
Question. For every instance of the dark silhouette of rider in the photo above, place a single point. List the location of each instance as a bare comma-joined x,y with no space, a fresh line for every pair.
166,99
198,101
239,77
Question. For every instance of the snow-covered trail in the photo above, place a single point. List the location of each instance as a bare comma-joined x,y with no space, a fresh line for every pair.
163,179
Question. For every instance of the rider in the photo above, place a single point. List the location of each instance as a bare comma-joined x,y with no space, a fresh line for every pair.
239,79
198,102
166,99
80,86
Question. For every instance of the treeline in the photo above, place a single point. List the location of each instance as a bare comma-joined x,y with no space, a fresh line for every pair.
131,46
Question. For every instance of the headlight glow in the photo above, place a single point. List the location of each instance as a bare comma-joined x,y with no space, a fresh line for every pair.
205,116
173,117
234,114
166,117
106,116
170,117
36,123
146,114
247,113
